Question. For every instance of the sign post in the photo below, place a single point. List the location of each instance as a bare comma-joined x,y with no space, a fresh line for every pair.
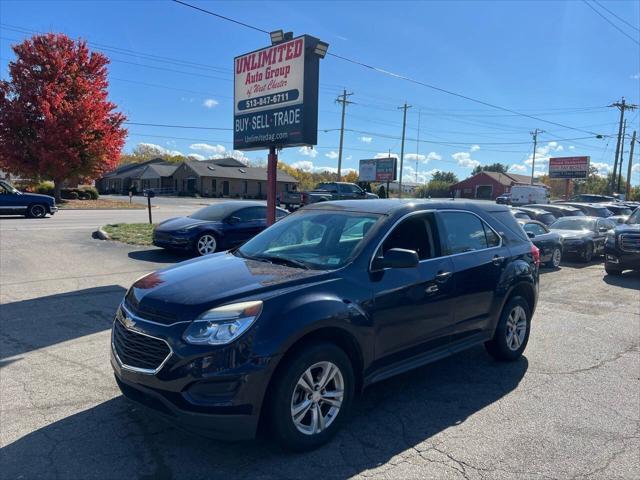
276,100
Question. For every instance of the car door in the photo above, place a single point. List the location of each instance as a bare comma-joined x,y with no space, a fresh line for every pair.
479,260
245,224
413,307
11,201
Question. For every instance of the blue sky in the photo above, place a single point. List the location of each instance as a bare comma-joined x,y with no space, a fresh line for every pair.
556,60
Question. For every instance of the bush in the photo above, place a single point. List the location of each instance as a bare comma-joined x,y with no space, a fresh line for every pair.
44,188
69,193
90,192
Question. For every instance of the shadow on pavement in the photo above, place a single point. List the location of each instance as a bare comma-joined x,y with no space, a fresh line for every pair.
158,255
40,322
119,440
628,279
575,262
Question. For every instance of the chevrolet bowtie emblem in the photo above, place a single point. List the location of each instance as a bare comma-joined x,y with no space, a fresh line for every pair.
128,322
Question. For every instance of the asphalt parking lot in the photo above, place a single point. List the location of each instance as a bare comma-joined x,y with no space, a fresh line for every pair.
569,409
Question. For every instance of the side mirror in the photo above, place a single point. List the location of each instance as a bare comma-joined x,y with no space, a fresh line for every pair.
396,258
531,235
603,229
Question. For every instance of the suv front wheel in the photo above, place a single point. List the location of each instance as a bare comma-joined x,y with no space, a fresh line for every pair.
311,397
512,333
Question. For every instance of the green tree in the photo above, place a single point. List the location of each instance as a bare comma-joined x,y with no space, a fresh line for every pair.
494,167
448,177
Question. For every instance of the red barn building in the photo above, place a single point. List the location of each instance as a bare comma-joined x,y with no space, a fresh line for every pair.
488,185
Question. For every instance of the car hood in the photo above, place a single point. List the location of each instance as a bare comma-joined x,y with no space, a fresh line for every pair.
371,195
38,196
573,234
184,291
180,222
626,228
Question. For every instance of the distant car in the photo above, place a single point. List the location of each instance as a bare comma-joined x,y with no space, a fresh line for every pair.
618,208
538,214
549,243
592,198
325,192
520,215
558,210
15,202
583,236
622,246
591,209
504,199
218,227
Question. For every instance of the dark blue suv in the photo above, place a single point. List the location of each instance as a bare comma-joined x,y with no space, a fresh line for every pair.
286,329
15,202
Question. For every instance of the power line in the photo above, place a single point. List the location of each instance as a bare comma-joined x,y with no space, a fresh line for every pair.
397,75
611,23
177,126
619,18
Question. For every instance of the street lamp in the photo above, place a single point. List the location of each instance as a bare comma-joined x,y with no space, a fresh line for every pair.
277,36
321,48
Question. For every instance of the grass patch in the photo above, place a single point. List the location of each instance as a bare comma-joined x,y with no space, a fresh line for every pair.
131,233
99,204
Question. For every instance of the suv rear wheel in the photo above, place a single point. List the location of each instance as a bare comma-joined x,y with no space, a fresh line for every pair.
512,333
311,397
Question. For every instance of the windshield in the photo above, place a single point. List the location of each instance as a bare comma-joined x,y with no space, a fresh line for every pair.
8,188
573,223
634,219
215,212
318,239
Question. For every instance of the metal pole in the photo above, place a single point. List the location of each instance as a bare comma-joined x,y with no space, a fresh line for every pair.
272,171
343,100
633,142
621,106
418,144
149,207
535,147
619,173
404,129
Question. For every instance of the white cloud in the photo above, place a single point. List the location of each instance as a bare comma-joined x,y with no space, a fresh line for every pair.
210,103
308,152
304,165
159,149
571,147
636,76
464,160
332,155
386,155
415,156
603,168
196,156
349,157
517,168
543,153
474,148
366,139
210,149
433,156
636,168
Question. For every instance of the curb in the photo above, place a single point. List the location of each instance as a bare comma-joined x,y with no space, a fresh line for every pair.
101,234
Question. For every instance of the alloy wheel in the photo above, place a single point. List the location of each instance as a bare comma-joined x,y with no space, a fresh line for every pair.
556,258
206,244
516,328
317,398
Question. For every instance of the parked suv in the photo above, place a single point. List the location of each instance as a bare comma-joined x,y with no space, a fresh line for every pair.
15,202
622,246
288,332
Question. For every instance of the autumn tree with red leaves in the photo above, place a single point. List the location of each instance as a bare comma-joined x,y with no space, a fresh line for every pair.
56,122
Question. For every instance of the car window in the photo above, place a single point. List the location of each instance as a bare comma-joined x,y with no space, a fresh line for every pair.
251,214
608,224
464,232
281,213
634,219
534,228
356,228
546,218
327,187
574,223
417,233
350,188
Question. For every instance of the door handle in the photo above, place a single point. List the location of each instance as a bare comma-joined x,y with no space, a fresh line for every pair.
431,289
497,260
442,277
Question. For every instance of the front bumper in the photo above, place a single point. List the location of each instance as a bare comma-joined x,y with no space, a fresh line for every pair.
215,391
173,242
618,259
573,247
52,209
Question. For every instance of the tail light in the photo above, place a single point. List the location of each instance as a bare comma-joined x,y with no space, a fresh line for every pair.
535,252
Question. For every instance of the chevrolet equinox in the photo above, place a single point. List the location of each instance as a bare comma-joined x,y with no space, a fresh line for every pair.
285,330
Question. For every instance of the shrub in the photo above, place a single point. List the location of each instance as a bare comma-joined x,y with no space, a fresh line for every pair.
69,194
44,188
91,192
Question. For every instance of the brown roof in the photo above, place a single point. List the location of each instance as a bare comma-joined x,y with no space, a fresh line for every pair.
507,179
214,169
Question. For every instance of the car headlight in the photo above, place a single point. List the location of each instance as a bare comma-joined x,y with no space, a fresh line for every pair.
223,325
610,239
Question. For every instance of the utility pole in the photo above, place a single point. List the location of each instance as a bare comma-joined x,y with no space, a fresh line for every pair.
619,174
535,147
418,144
633,142
343,100
404,130
622,106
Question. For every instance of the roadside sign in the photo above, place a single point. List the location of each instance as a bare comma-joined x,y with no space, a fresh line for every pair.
276,96
377,170
569,167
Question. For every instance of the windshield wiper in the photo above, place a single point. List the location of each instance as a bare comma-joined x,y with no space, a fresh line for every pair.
281,260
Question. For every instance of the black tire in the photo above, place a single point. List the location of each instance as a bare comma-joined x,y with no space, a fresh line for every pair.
498,346
587,254
37,210
285,386
612,271
552,263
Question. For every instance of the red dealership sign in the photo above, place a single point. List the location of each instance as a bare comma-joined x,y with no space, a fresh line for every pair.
569,167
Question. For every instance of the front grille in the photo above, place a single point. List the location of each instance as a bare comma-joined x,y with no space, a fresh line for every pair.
137,351
148,313
630,242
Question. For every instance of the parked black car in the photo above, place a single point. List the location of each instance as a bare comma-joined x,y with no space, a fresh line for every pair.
15,202
538,214
558,210
520,215
583,236
618,208
592,198
549,243
591,209
290,332
218,227
622,246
